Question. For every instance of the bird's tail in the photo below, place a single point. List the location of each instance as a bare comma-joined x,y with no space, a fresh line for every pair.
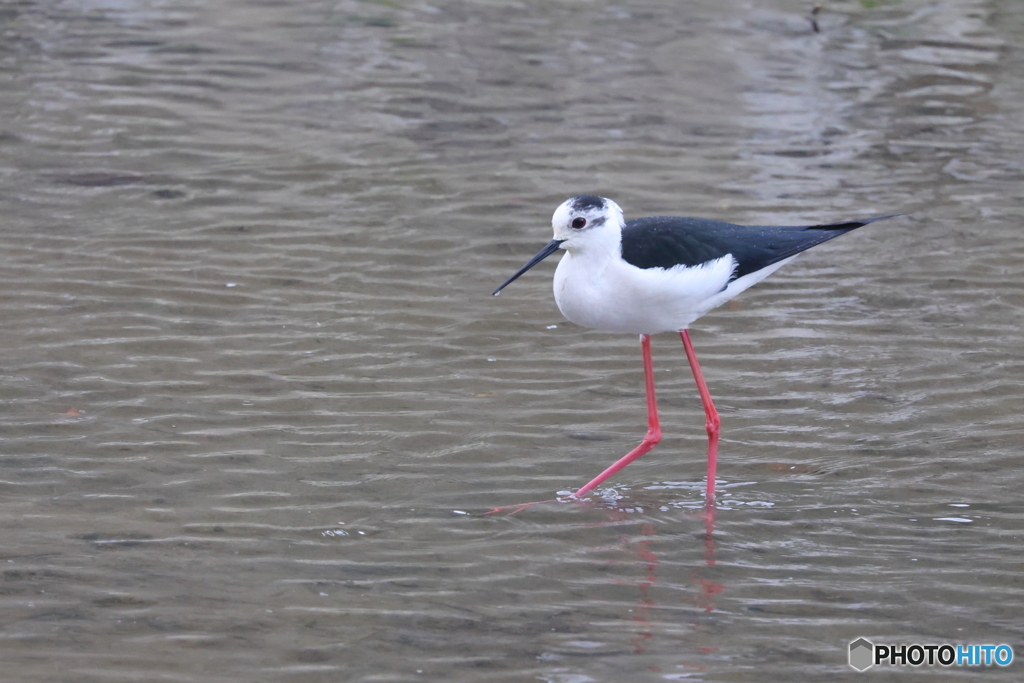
851,225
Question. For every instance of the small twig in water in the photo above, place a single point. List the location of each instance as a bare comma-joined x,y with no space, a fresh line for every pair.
814,18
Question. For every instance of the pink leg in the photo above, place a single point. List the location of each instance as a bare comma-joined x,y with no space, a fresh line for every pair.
653,435
713,421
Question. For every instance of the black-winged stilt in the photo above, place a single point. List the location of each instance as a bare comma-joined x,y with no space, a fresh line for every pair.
659,274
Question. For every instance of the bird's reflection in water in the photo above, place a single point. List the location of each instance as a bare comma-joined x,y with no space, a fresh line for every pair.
650,563
644,546
709,587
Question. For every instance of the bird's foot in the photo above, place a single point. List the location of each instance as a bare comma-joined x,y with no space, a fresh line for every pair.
519,507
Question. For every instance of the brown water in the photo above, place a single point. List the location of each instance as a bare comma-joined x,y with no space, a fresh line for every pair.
256,392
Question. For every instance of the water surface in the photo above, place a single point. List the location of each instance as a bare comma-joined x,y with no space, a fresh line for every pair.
256,394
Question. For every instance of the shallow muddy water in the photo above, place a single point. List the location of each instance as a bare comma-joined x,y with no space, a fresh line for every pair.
257,396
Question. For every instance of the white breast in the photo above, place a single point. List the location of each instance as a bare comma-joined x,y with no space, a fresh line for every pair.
610,295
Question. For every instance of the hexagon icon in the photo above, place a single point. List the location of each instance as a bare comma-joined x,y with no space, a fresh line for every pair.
862,654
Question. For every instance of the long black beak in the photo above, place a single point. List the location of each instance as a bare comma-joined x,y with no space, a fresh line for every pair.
549,249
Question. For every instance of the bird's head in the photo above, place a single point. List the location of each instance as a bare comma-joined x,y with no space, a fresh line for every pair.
581,221
585,218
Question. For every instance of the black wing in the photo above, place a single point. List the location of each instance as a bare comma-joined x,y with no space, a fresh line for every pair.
666,241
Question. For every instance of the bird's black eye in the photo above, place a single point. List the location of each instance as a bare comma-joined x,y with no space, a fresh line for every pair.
579,223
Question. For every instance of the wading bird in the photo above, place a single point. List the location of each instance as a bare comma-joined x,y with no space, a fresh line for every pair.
659,274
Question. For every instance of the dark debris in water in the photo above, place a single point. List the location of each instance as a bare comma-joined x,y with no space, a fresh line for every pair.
98,179
588,436
168,194
126,601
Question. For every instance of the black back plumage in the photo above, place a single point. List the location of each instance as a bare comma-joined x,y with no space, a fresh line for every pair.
667,241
